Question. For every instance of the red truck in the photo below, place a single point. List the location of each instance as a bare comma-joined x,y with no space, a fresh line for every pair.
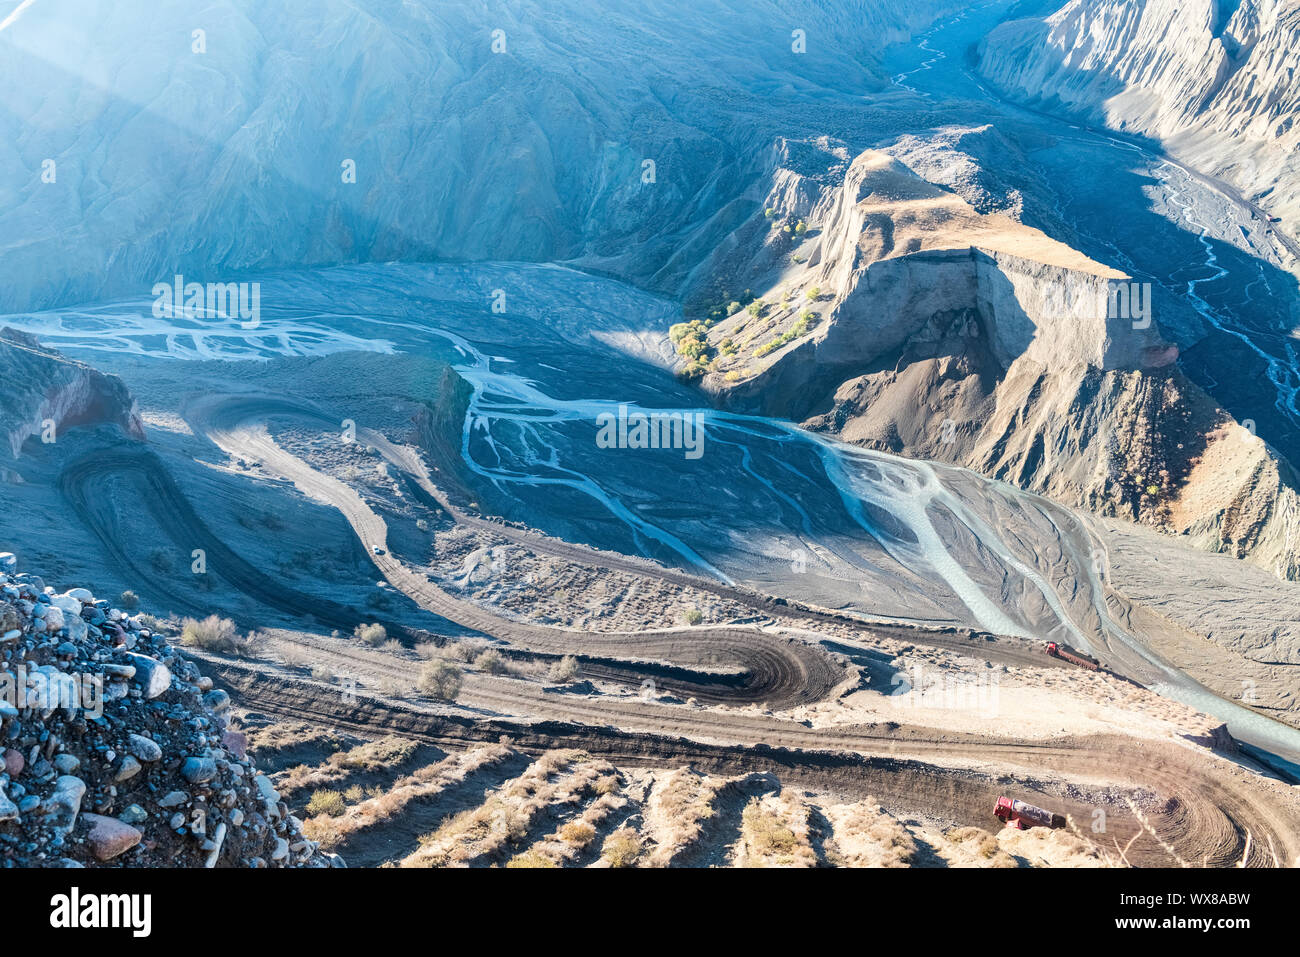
1066,653
1020,815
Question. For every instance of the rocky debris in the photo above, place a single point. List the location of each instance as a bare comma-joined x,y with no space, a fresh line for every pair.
115,751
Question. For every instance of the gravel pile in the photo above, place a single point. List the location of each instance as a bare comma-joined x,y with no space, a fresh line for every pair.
117,751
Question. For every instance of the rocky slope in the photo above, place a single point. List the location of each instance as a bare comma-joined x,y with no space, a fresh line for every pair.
387,132
1214,80
45,393
116,751
894,313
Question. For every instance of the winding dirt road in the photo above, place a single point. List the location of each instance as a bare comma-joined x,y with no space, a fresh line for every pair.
725,663
1203,808
1206,808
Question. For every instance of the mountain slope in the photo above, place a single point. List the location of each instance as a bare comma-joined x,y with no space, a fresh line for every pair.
898,316
1214,81
478,131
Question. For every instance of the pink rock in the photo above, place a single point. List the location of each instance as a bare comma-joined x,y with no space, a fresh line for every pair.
109,837
1156,357
14,762
236,742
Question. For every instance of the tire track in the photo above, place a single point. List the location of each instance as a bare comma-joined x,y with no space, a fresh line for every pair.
1204,810
721,663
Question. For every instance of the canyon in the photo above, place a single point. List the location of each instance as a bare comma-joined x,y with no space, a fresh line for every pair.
670,436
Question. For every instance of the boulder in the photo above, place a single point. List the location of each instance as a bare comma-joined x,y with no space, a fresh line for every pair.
199,770
152,675
145,749
109,837
64,804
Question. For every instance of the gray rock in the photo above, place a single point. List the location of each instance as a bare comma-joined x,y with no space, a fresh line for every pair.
14,762
199,770
129,768
64,804
174,799
146,749
265,789
152,675
67,763
77,627
218,839
134,814
281,850
53,619
70,607
8,809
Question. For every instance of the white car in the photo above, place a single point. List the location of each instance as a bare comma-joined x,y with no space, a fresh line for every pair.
376,549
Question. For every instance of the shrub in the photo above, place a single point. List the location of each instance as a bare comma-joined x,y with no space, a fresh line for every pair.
326,802
577,832
565,670
212,634
129,600
767,833
441,680
491,662
622,848
693,616
373,634
531,858
469,648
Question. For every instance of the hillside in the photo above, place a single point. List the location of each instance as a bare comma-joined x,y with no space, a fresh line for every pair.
898,316
1214,81
370,135
118,751
45,392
